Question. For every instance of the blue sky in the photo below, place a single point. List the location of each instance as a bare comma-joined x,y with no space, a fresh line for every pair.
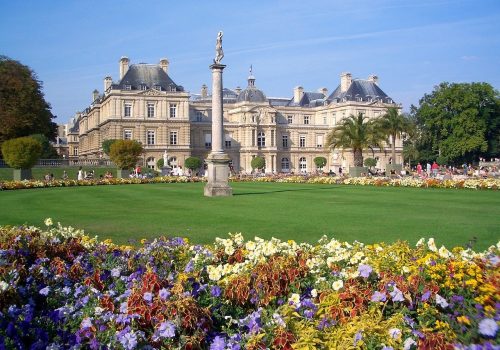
411,45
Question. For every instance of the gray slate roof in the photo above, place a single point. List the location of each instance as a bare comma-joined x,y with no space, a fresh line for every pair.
364,89
151,75
251,94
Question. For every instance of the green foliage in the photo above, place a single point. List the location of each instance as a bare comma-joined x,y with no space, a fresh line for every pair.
106,145
370,162
21,153
357,133
159,163
320,162
393,124
193,163
48,151
258,163
24,110
125,153
460,122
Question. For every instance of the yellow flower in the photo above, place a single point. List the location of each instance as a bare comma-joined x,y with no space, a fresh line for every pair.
463,319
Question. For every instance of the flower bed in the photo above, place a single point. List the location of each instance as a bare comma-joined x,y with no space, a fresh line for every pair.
472,183
61,289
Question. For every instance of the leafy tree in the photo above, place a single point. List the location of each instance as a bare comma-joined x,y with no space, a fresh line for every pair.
160,163
258,163
23,109
48,151
320,162
22,152
106,145
459,122
125,153
193,163
393,124
356,133
370,162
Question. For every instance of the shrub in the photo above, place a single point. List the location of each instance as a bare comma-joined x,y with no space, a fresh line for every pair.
160,163
258,163
320,162
125,153
193,163
106,145
370,162
48,151
21,153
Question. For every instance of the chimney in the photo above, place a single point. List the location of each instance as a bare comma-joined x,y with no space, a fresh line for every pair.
345,81
237,90
323,91
204,91
107,83
95,95
298,92
164,64
373,78
124,61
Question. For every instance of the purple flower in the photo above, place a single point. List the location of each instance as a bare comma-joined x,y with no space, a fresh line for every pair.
167,330
215,291
378,296
218,343
86,323
148,296
164,294
426,295
397,295
365,270
127,339
357,337
488,327
45,291
387,348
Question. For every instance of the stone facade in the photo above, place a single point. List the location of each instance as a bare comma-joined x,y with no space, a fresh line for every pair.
147,106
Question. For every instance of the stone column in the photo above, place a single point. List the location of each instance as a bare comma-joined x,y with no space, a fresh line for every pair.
218,160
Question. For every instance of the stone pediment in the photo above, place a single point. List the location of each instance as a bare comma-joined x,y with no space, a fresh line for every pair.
264,115
150,92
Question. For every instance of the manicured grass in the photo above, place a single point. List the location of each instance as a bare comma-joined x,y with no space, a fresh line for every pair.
300,212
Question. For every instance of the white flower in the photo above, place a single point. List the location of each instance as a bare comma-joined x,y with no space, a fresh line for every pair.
441,301
337,285
395,333
98,310
432,245
294,298
407,345
314,293
229,250
3,286
214,273
420,242
444,253
48,222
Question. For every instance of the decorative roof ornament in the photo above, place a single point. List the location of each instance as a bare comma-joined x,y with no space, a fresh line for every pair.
219,54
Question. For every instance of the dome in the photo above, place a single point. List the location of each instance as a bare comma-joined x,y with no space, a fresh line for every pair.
251,93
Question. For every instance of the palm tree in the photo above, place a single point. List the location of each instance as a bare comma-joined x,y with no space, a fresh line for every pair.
394,125
356,133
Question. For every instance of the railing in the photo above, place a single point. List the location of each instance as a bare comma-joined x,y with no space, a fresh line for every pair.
55,163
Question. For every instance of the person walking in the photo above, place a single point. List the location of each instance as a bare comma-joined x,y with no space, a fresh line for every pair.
428,169
435,168
80,174
419,169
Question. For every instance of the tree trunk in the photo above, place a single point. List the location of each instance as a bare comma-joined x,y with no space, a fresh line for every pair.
358,157
393,148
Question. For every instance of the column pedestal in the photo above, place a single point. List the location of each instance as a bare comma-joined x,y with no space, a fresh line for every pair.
218,173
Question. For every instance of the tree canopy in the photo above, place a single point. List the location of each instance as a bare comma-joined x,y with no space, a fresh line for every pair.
193,163
458,122
356,133
393,124
23,109
125,153
258,163
22,152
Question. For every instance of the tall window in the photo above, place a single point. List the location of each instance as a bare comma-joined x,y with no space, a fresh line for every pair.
319,141
306,119
285,141
302,141
75,151
199,116
173,110
289,119
173,137
324,119
261,139
151,110
150,137
227,140
285,165
208,140
253,137
127,134
150,163
303,165
128,110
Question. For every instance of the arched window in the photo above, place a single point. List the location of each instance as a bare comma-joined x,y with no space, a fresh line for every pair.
285,165
303,165
173,161
261,139
150,163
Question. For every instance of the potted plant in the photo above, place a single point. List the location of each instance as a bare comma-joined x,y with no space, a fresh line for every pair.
21,154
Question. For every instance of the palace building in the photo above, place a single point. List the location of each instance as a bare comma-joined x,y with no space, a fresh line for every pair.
146,105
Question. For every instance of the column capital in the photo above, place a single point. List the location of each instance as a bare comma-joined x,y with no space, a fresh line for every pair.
217,66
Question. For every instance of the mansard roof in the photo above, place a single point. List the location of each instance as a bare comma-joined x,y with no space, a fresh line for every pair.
149,75
359,89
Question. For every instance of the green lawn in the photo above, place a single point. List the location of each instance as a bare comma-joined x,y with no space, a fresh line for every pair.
287,211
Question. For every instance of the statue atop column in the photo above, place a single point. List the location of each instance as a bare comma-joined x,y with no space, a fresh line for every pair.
219,54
